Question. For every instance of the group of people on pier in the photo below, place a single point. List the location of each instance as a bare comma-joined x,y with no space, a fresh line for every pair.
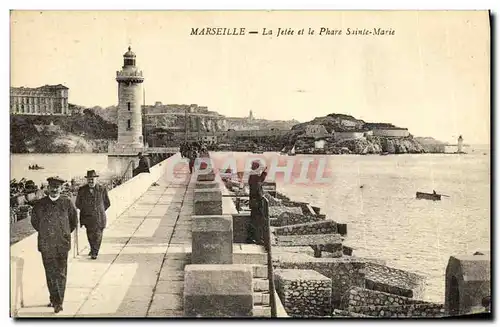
55,217
192,151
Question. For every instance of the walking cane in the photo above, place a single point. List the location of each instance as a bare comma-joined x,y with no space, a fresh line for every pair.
75,248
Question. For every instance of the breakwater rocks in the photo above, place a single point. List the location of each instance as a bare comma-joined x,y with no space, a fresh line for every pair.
380,304
364,145
310,258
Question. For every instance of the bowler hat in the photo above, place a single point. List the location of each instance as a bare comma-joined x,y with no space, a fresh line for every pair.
55,180
91,173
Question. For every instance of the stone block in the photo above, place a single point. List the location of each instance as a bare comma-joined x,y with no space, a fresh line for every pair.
241,223
304,292
212,239
206,184
218,291
394,281
208,202
380,304
208,177
319,227
467,283
344,272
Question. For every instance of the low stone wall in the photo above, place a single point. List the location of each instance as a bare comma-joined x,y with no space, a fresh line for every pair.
344,272
304,292
291,218
321,227
394,281
381,304
275,211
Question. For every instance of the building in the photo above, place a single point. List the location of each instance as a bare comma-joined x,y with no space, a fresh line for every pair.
43,100
391,132
316,131
349,135
130,94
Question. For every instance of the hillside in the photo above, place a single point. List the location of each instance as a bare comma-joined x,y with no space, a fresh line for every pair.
86,132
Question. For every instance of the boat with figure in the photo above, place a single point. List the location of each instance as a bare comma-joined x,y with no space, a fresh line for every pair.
35,167
429,196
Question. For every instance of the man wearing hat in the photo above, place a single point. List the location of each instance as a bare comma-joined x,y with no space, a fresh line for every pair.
257,222
54,217
93,201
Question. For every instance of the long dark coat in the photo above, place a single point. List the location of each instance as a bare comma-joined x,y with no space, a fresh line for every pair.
54,221
93,206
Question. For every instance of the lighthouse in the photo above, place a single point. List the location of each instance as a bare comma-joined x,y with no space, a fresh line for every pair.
129,103
123,155
460,142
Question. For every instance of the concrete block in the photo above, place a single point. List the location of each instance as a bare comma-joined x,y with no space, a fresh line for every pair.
467,283
208,202
208,177
206,184
212,239
218,291
304,292
241,223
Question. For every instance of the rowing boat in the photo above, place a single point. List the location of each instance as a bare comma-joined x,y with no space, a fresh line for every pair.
429,196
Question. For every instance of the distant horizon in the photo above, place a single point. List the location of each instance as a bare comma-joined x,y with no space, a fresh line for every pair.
432,76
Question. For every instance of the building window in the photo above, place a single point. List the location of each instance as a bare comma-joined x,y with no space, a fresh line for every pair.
128,124
128,105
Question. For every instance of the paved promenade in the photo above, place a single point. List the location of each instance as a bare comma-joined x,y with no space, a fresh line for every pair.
139,271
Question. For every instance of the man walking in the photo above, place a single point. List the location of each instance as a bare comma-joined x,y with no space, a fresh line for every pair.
54,217
93,201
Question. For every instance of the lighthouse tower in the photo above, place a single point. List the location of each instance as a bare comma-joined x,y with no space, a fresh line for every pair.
460,145
129,103
123,155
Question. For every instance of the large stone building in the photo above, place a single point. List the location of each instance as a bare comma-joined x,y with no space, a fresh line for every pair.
43,100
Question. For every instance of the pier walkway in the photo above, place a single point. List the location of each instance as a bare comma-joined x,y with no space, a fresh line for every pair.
140,268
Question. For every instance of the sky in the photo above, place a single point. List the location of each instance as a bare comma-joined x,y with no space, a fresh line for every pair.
432,76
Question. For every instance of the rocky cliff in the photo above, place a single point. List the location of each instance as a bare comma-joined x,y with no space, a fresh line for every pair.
86,132
368,145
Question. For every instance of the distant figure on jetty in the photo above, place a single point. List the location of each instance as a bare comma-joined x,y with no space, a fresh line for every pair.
144,163
257,221
93,201
54,218
143,166
193,154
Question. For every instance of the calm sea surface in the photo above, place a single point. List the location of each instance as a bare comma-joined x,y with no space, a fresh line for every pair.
384,218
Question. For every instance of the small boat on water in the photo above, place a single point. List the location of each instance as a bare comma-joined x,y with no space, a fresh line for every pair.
384,153
35,167
429,196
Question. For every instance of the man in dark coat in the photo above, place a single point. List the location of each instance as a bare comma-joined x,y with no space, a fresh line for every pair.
144,163
257,221
93,201
54,217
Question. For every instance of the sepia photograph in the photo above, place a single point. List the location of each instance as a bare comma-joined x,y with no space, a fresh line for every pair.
265,164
